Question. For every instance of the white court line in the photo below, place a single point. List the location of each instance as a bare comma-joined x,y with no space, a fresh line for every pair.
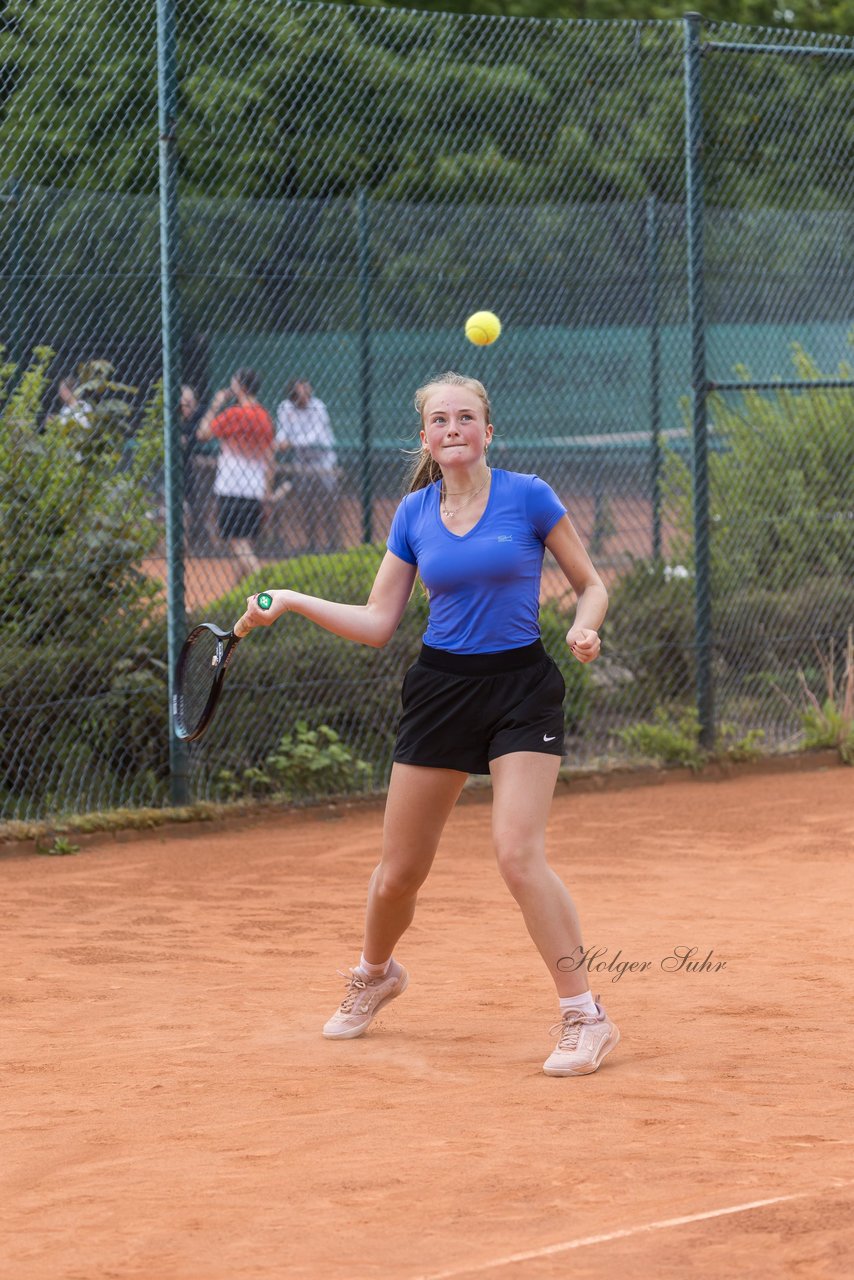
582,1243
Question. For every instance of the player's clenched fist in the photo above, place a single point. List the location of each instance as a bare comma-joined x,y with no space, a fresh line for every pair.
263,609
584,643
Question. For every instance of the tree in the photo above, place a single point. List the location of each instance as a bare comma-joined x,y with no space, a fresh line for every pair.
808,15
78,102
287,99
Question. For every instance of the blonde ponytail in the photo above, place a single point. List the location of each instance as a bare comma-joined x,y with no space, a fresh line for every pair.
423,471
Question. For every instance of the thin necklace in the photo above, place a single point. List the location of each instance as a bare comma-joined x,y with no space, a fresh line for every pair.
444,495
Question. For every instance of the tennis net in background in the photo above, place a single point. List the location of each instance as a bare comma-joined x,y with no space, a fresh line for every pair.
342,208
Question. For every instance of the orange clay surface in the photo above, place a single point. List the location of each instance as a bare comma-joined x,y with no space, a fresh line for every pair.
170,1108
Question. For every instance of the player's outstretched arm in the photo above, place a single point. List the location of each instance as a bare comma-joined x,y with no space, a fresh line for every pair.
577,567
373,623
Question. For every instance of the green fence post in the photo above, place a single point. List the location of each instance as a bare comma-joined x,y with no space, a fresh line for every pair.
654,374
167,99
699,386
365,371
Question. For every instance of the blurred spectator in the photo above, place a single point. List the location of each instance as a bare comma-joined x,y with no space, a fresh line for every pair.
199,471
72,405
304,431
244,473
191,416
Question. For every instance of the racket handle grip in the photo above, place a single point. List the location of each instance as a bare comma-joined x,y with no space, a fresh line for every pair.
265,601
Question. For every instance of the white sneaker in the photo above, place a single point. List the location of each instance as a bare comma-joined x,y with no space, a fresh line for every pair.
363,1001
583,1041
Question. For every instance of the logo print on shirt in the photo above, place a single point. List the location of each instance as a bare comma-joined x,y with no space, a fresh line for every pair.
547,739
504,537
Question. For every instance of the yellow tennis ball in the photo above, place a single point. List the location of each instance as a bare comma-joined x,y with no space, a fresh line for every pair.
482,328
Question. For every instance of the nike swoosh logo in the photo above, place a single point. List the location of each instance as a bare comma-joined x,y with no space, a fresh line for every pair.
546,738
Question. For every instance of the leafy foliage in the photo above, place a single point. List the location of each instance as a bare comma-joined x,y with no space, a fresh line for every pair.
812,15
61,847
775,631
65,119
85,723
829,722
73,495
825,725
649,631
779,486
673,737
82,682
306,763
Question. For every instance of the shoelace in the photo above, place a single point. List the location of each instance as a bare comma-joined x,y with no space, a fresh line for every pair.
356,985
569,1028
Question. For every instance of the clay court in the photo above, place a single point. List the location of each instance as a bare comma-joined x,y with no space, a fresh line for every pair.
172,1112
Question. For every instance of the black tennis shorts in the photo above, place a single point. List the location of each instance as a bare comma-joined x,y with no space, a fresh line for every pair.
238,517
462,710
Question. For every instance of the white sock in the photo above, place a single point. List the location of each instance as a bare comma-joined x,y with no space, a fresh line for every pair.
373,970
584,1002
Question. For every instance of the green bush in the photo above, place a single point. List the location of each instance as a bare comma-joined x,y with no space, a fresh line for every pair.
73,502
85,723
775,631
828,721
649,631
781,546
779,486
826,725
83,681
673,737
761,636
306,762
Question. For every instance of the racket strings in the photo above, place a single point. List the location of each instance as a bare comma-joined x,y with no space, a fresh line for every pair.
201,667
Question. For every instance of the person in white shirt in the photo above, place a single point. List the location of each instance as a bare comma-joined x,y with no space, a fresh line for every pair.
244,474
304,431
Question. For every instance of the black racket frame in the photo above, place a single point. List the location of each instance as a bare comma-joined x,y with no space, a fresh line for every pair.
227,642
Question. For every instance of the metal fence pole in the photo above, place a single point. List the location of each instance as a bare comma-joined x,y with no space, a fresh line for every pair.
654,373
697,320
365,370
167,96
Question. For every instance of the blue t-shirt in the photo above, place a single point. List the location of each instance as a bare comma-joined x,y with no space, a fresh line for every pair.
484,585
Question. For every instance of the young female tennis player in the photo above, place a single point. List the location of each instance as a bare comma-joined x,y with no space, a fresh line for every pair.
483,697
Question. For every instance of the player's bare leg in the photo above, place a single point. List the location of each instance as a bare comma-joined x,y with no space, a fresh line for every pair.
523,785
245,554
419,802
418,805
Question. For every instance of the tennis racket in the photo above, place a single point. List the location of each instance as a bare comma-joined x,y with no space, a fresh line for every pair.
200,674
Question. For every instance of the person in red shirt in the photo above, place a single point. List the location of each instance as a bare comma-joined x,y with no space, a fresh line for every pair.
245,467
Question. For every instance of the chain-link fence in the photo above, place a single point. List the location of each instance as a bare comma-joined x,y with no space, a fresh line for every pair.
351,184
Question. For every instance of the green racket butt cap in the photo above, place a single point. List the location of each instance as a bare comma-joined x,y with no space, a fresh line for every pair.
265,600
